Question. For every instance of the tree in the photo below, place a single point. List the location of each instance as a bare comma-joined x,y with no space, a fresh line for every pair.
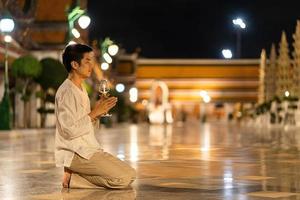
25,69
53,74
5,112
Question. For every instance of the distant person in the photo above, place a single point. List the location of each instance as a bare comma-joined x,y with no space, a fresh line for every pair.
76,148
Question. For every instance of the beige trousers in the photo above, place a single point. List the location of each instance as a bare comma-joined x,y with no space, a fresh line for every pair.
102,170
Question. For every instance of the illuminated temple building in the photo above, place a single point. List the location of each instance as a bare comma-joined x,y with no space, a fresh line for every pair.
230,84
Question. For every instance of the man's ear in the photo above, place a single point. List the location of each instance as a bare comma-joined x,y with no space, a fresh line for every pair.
74,64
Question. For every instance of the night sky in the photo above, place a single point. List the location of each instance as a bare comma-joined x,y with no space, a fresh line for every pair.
192,28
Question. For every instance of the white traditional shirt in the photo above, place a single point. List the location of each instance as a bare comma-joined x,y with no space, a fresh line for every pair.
74,128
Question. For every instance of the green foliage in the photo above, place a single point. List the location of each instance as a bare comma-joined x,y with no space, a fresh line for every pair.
53,74
26,67
277,99
290,98
5,112
263,108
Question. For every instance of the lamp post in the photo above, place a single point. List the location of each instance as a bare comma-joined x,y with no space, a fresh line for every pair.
227,54
108,50
83,21
6,27
239,24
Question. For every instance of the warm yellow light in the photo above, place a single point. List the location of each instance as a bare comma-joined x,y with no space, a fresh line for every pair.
286,93
107,58
133,94
75,33
113,49
104,66
7,38
203,93
71,42
206,99
84,21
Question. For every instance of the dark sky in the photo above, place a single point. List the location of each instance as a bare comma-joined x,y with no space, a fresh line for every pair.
192,28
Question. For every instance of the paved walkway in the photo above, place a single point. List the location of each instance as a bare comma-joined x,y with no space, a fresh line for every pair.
181,161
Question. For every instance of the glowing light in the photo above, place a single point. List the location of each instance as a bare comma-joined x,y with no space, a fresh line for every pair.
203,93
104,66
71,42
7,38
120,87
206,99
75,33
113,49
144,102
227,53
239,22
107,58
133,143
286,93
133,94
206,138
84,21
7,25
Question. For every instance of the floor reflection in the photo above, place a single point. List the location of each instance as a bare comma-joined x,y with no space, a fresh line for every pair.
187,161
98,194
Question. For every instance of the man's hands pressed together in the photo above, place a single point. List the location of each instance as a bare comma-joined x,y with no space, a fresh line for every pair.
102,106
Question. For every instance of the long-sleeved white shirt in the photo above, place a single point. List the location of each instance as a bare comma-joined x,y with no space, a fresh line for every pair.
74,128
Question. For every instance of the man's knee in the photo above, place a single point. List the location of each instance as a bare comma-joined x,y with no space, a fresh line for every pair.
120,182
132,173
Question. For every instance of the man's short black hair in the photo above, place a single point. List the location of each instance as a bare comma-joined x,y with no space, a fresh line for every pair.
74,52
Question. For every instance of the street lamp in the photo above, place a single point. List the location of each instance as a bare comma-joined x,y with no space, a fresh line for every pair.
240,24
227,53
83,21
7,25
108,50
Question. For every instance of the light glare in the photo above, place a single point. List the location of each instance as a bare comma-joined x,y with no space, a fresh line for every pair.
84,21
75,33
7,25
113,49
133,94
227,53
7,38
206,99
286,93
239,22
71,42
203,93
104,66
120,87
107,58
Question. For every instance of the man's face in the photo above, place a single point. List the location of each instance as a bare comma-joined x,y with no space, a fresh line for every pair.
86,65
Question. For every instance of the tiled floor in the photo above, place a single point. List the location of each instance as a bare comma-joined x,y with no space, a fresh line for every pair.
180,161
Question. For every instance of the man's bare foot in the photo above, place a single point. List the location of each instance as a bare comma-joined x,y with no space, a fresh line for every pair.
66,178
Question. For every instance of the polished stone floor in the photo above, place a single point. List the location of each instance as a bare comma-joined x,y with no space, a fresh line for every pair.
180,161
